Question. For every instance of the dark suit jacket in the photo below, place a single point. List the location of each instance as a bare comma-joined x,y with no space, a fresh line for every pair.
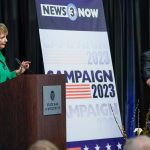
145,65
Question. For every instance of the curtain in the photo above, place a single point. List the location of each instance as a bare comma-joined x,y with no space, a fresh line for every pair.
128,30
23,36
24,42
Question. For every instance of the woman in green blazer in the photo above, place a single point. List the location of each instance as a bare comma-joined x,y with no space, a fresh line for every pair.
5,73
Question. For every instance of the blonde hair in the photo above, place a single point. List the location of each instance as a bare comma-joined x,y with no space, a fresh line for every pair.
43,145
3,28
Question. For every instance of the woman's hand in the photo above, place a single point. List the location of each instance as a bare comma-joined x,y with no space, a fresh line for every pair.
23,67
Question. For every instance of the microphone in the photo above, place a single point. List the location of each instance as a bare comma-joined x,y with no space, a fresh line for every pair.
19,62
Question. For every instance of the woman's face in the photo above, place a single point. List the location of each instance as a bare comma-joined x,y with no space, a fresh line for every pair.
3,40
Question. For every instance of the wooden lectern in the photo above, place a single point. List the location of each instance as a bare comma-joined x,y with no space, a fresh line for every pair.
21,113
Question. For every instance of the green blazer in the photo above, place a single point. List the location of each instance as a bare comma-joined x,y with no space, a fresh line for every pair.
5,73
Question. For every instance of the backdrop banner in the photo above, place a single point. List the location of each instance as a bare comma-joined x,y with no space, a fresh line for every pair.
74,42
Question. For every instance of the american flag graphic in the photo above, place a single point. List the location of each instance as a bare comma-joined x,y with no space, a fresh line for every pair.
101,144
78,91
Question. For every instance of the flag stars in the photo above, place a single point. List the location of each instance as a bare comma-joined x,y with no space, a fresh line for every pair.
119,146
97,147
108,147
86,148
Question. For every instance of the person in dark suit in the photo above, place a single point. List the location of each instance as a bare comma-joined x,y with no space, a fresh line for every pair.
145,67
